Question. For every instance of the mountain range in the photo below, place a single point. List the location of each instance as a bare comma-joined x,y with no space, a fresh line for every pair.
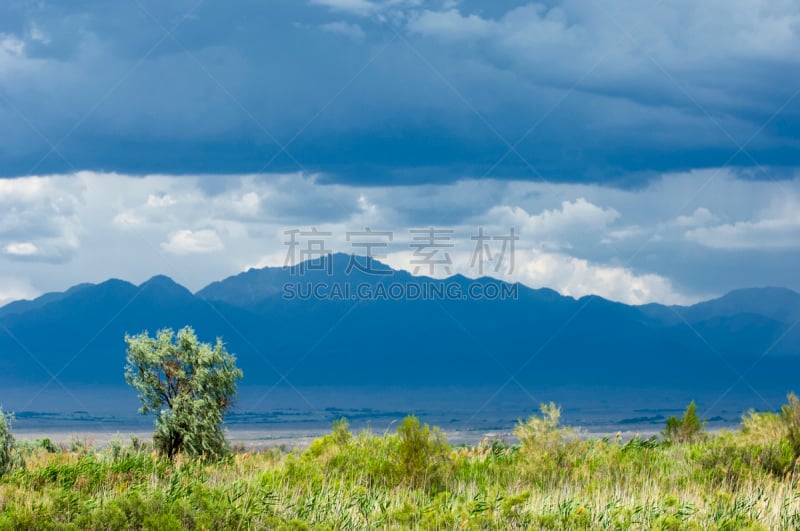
536,336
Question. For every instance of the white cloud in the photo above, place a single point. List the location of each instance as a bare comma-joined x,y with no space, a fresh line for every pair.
11,45
776,230
14,289
566,274
572,236
249,204
25,188
36,34
345,29
623,234
574,220
451,24
127,220
160,201
701,216
193,242
769,234
755,28
21,248
578,277
579,214
39,218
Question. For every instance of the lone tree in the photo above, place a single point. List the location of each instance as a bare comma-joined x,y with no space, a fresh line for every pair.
188,385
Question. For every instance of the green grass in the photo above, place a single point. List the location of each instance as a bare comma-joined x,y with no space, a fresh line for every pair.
553,479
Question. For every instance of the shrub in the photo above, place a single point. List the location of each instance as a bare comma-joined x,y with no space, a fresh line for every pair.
545,445
686,429
423,453
733,458
9,458
763,428
790,414
189,386
48,446
542,428
341,431
332,442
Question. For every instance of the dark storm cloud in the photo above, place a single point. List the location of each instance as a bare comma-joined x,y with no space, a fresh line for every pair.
399,91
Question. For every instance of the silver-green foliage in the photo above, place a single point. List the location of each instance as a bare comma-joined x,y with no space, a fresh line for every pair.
8,459
189,385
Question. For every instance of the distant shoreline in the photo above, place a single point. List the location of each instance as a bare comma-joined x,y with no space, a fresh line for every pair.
262,439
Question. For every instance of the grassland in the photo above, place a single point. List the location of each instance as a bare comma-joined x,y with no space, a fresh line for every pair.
552,479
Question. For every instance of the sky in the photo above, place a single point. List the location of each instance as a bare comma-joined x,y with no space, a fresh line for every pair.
642,151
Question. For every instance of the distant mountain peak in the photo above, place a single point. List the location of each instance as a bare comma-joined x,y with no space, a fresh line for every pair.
164,286
256,285
159,281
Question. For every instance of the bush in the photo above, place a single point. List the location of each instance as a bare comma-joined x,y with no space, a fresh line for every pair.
333,442
761,447
47,445
341,431
733,458
544,444
9,459
686,429
761,428
541,430
790,414
424,453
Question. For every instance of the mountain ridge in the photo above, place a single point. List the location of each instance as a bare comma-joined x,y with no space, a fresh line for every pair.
211,290
536,336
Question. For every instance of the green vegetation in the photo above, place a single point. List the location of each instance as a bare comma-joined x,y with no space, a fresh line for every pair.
791,420
9,459
685,429
188,385
412,479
